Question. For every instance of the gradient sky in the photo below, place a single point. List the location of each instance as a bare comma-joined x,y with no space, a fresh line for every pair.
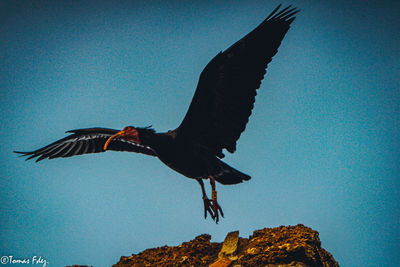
322,145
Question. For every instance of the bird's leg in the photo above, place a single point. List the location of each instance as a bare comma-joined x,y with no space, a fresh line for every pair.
207,202
216,207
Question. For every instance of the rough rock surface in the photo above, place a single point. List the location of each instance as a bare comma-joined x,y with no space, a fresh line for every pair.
272,247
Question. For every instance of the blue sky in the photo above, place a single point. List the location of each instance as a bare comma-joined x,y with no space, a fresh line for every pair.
321,146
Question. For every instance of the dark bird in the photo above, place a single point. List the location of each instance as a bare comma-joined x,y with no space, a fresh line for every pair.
218,114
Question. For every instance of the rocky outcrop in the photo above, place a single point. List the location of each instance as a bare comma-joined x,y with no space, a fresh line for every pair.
274,247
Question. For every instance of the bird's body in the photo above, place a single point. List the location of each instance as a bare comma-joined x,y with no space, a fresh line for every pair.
218,114
177,155
187,158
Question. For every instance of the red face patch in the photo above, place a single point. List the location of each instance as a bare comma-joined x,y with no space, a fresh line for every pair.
131,134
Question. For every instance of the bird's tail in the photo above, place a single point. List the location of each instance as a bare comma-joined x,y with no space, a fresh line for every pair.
225,174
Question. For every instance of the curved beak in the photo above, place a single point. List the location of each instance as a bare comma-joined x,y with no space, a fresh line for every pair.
128,134
117,135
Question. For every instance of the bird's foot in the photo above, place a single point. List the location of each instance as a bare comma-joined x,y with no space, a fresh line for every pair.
216,207
207,208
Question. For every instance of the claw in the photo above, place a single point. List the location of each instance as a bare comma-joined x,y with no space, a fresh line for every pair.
220,210
211,206
216,207
207,208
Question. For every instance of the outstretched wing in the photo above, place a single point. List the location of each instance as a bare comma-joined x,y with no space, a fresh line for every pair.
226,90
84,141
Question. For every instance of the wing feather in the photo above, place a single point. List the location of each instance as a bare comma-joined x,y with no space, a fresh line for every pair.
225,94
84,141
59,151
68,151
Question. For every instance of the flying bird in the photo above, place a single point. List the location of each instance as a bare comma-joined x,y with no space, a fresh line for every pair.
218,114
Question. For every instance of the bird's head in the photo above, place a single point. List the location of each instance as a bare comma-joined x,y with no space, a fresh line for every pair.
129,133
